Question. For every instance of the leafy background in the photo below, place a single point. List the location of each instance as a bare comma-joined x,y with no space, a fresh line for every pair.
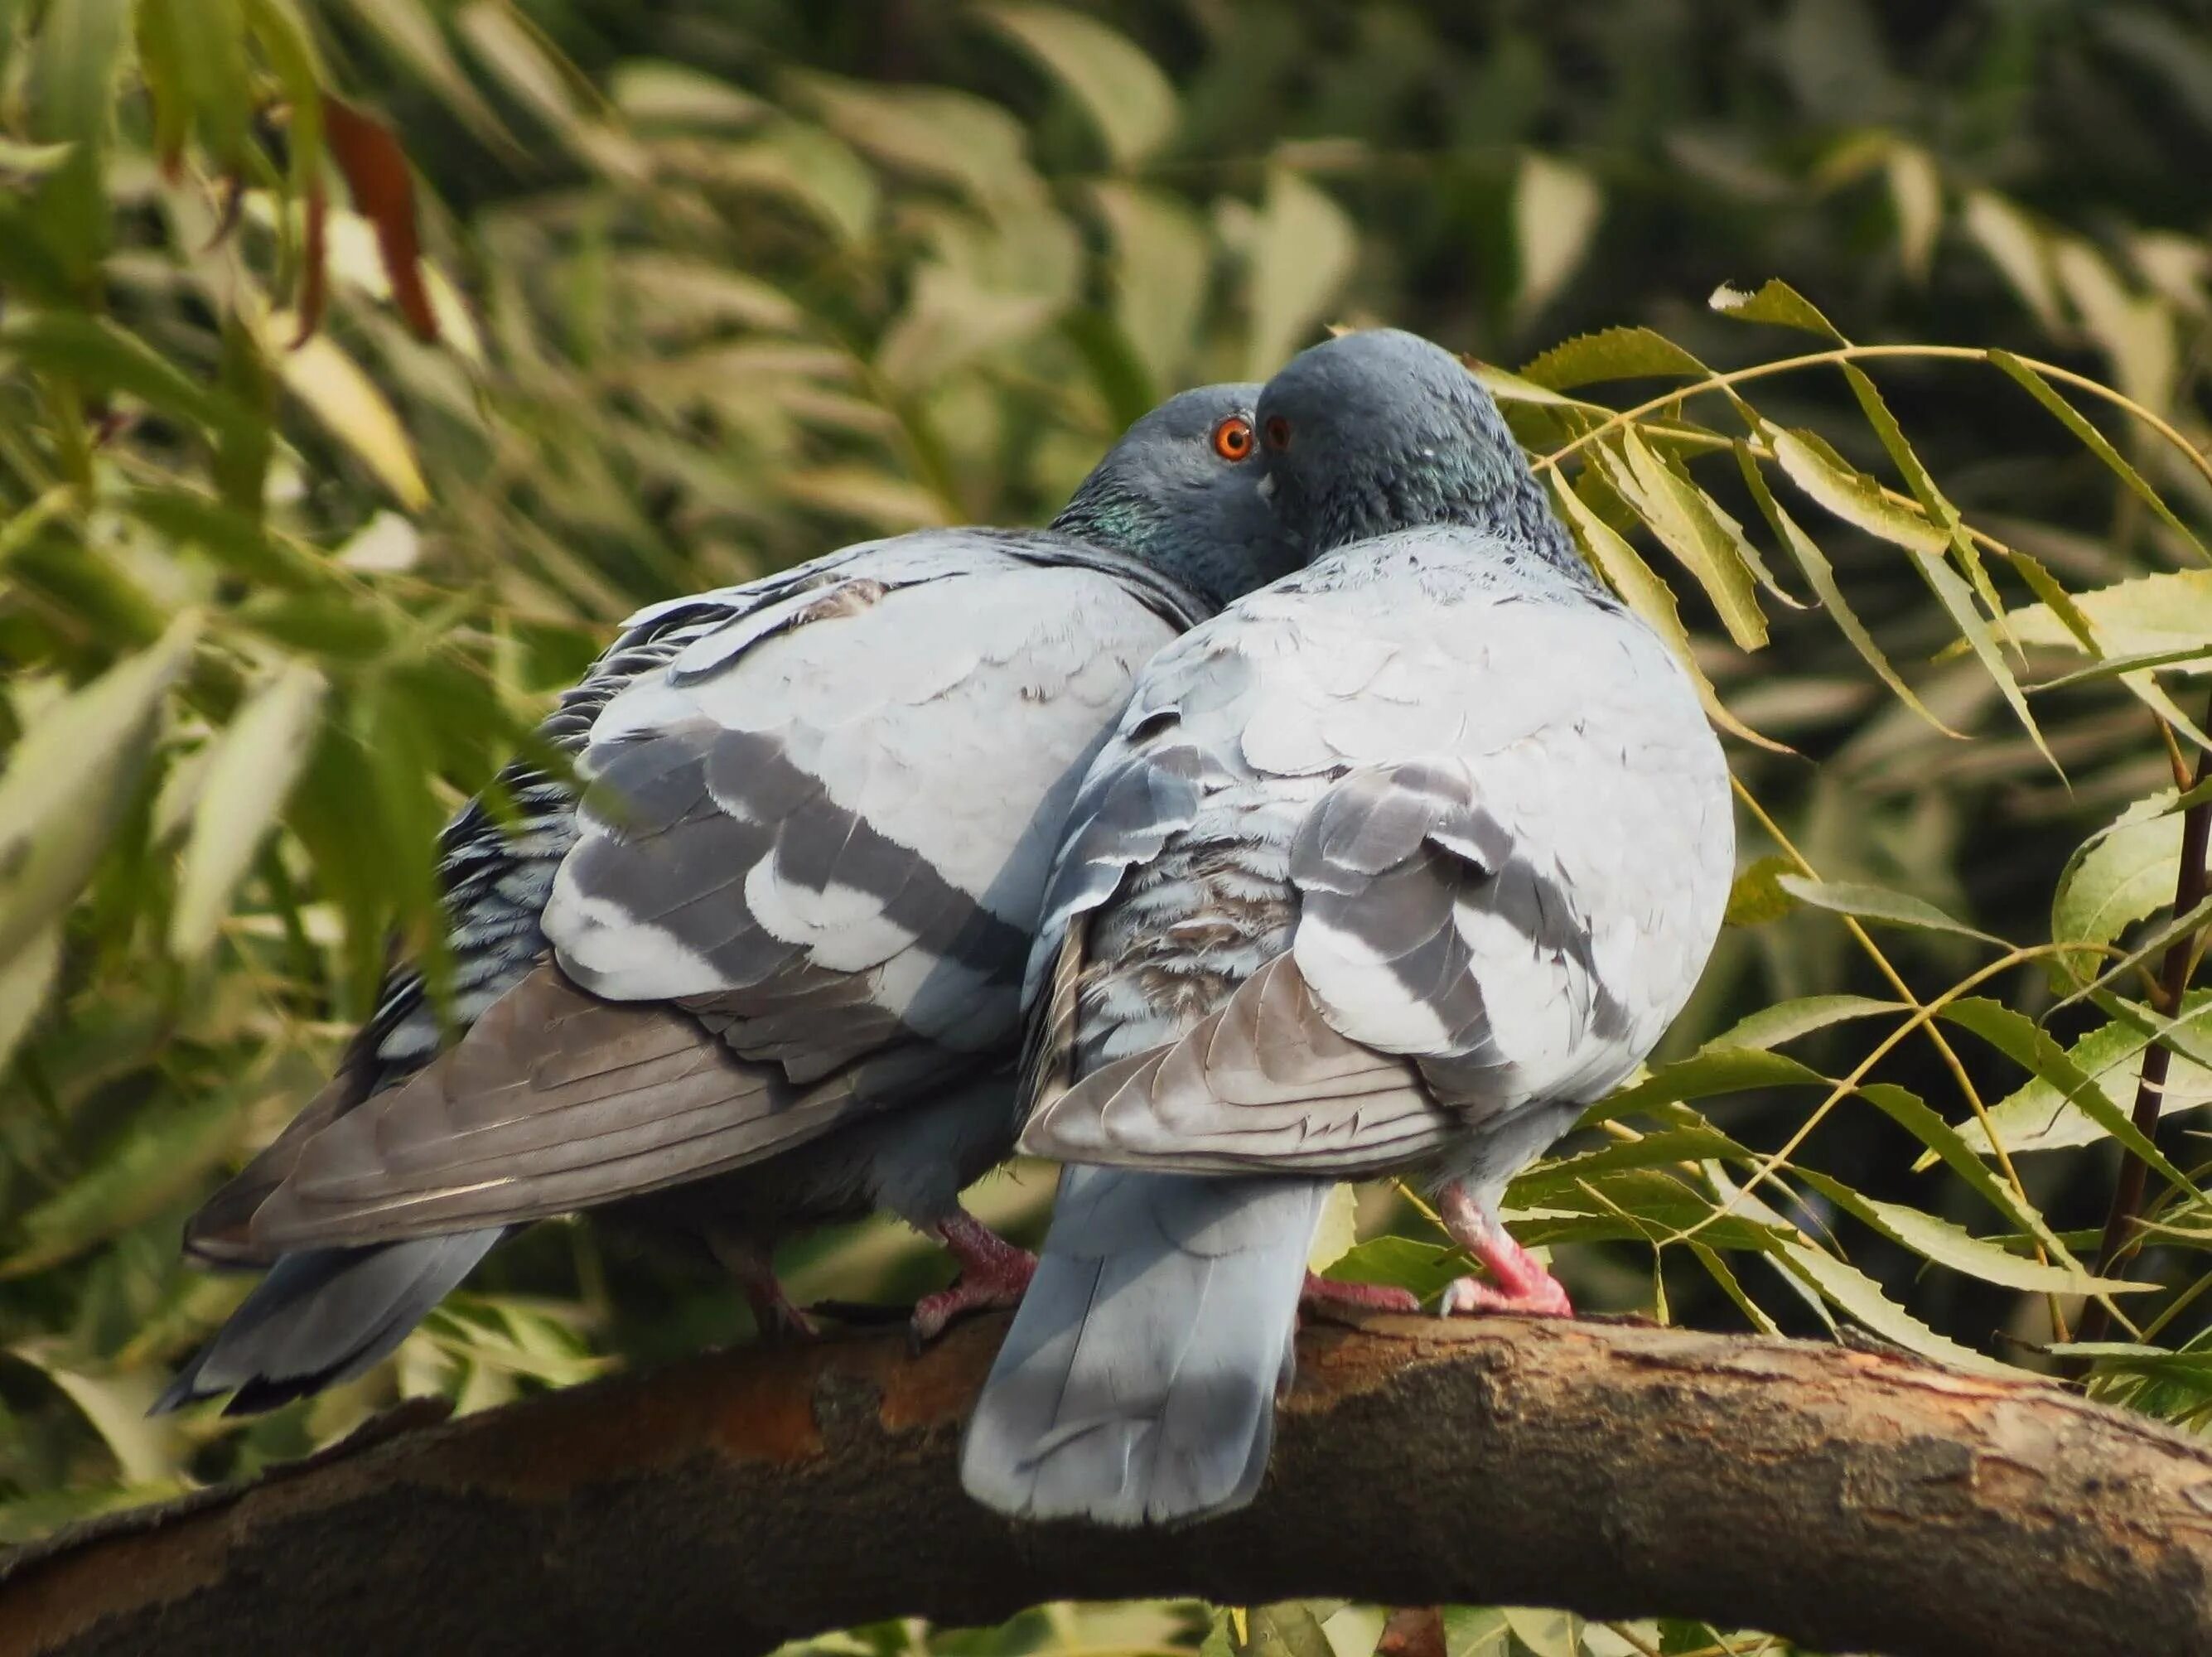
300,533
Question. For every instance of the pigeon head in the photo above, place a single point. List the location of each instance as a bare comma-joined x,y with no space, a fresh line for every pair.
1374,432
1181,491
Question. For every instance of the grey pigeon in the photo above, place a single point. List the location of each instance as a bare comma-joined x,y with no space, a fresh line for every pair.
767,973
1390,869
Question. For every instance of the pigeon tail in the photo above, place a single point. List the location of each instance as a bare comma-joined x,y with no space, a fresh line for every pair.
321,1316
1137,1386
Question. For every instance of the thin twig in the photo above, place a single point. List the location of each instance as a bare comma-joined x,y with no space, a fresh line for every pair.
2189,883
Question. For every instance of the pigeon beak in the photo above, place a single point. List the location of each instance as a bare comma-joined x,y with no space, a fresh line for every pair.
1265,490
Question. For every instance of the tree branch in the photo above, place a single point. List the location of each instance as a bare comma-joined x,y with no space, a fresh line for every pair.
1848,1499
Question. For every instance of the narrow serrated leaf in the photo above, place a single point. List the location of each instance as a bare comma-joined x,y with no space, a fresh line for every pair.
1820,576
2094,440
1786,1020
1696,531
1777,302
1879,904
1611,354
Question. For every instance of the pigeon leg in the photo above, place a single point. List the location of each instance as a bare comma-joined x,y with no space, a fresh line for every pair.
1327,1295
753,1265
1523,1284
992,1274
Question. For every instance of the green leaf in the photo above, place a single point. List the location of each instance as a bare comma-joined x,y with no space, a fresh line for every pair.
1556,209
1859,1297
68,779
1707,541
2026,1044
2019,250
654,93
2167,615
2040,1116
1820,576
156,1157
2121,874
1877,903
100,355
1950,1146
2094,440
1162,260
1301,254
1289,1629
1786,1020
78,49
1126,97
354,412
1947,1245
1397,1262
256,762
1776,302
1851,495
1756,896
1611,354
1915,194
1616,562
27,978
1337,1231
1711,1070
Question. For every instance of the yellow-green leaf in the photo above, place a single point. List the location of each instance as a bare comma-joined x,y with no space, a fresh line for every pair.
1611,354
1556,209
256,759
1915,194
2020,252
1301,254
1708,542
1777,302
68,779
352,409
26,978
1122,91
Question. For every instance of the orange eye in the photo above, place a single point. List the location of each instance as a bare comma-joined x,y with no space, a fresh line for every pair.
1232,438
1279,432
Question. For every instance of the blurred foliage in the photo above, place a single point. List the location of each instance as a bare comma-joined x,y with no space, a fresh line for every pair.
326,457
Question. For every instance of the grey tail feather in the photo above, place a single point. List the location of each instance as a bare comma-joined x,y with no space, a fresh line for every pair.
321,1316
1137,1386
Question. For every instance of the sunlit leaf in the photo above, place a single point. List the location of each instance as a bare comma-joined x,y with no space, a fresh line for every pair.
1915,194
2019,1039
1940,1241
1861,1298
1161,259
1120,90
676,94
2041,1116
1556,209
256,759
2121,874
2019,250
1300,257
2134,330
1786,1020
1878,904
351,408
1712,1069
1610,354
68,778
1756,896
2094,440
1820,576
27,978
1777,302
1708,544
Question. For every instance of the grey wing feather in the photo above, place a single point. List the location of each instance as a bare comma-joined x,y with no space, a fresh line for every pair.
1138,1384
322,1316
554,1101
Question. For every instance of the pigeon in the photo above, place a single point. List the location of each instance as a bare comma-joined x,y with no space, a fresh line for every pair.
765,972
1388,869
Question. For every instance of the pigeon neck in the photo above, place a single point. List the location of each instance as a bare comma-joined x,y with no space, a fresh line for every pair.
1507,504
1118,524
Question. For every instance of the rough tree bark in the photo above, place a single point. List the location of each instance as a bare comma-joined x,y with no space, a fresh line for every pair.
1851,1499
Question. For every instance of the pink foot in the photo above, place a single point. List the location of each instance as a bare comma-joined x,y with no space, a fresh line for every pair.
774,1318
1326,1295
1520,1284
993,1274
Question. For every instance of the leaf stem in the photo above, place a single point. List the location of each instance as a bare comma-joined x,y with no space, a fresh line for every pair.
2189,887
2157,423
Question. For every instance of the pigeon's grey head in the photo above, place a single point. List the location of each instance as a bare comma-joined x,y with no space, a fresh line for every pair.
1181,491
1374,432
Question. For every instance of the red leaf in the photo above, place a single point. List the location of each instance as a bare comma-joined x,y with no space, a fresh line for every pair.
375,169
314,274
